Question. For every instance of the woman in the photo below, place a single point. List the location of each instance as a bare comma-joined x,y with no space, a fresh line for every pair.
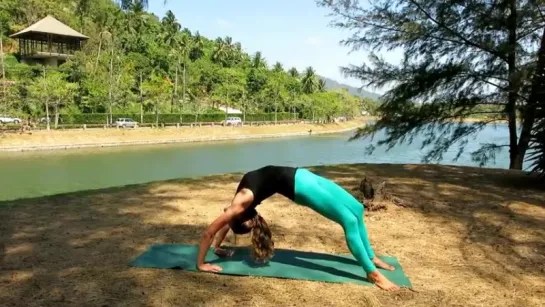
302,187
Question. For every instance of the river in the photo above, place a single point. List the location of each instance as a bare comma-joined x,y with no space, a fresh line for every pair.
33,174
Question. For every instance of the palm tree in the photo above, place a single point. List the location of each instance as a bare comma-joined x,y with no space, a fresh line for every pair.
321,85
293,72
228,41
82,8
171,27
127,4
309,82
221,53
136,23
197,47
185,46
278,67
236,53
258,61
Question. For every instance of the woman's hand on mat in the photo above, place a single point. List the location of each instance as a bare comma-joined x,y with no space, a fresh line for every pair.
207,267
224,252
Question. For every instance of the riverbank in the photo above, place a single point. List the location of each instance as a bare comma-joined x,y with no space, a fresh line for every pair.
471,238
71,139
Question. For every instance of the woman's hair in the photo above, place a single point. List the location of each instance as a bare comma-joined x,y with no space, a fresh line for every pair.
262,242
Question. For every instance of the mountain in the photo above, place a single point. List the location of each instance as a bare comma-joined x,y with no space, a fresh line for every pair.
332,84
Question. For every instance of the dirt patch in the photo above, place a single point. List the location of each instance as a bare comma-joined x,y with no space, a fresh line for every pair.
100,137
473,237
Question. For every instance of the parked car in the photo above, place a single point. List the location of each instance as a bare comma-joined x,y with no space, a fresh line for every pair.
4,119
233,121
125,123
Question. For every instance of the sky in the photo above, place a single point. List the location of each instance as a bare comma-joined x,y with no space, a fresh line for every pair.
296,33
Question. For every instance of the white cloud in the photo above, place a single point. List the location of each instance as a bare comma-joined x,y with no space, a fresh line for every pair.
313,41
223,23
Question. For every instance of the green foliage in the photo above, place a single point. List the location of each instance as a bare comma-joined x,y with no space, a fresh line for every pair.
460,59
137,63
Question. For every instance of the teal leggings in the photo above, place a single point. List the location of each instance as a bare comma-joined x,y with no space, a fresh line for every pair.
335,203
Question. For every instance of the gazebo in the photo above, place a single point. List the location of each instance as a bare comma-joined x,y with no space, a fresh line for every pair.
48,42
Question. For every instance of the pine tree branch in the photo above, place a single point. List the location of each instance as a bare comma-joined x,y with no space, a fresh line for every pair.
539,10
370,24
522,35
465,40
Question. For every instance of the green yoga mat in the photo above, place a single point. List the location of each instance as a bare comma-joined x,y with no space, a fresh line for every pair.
285,264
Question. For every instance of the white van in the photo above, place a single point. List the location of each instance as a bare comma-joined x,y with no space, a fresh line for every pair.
233,121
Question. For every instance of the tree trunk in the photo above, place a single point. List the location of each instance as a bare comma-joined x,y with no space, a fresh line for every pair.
157,114
513,88
46,105
275,112
111,89
81,22
184,86
99,49
226,109
528,113
57,115
141,101
175,96
3,69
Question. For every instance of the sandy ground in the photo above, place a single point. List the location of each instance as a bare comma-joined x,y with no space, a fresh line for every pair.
473,238
104,136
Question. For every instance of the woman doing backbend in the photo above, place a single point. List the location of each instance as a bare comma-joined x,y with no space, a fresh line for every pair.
302,187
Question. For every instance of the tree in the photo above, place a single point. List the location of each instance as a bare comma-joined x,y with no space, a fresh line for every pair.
82,8
127,4
197,47
293,72
230,88
53,90
275,93
321,85
156,90
278,67
458,56
172,38
309,81
258,61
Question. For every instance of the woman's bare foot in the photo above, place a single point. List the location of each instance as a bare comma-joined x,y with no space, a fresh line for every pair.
383,265
381,281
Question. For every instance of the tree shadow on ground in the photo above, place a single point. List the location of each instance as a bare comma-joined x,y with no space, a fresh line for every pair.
499,213
74,249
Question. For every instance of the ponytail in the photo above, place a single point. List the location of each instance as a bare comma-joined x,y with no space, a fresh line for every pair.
263,245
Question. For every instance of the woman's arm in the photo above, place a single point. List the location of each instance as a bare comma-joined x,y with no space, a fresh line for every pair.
221,236
239,204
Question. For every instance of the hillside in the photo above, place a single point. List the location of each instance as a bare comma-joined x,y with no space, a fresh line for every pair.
332,84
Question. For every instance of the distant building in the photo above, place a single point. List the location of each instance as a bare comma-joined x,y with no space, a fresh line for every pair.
229,110
48,42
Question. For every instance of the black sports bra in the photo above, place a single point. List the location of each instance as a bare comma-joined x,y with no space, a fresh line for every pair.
266,181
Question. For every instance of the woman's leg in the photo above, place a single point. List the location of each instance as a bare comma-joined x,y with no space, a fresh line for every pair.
357,208
310,193
346,199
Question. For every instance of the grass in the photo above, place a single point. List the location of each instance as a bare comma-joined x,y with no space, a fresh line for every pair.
103,136
473,238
